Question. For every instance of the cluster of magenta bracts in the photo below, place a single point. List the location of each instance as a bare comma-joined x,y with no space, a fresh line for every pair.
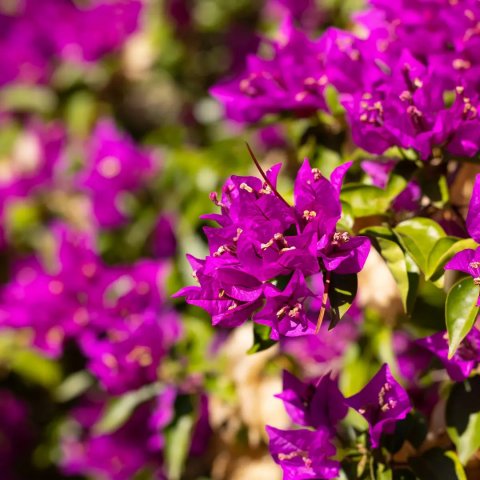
306,453
118,316
29,46
263,242
410,79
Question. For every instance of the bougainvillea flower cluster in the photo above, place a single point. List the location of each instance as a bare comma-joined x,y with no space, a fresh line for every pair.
79,297
396,92
115,167
352,277
321,406
263,241
28,43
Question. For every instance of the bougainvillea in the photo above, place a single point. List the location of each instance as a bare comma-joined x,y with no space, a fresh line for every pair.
239,240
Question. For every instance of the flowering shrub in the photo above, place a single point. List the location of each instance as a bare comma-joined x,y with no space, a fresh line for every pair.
313,167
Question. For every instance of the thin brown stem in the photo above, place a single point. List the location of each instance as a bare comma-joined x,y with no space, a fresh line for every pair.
323,308
264,175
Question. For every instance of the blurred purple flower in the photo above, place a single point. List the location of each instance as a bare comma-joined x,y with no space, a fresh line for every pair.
293,80
29,45
15,433
121,454
163,241
115,167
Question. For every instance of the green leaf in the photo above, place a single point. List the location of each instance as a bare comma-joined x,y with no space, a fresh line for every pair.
332,99
461,475
444,249
436,464
460,312
463,417
347,220
387,245
119,409
343,289
413,274
261,338
418,236
73,386
177,445
36,368
29,98
365,200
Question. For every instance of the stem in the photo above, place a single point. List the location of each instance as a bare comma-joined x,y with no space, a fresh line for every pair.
323,308
264,176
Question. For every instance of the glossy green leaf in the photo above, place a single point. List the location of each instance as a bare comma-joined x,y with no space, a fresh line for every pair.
413,274
463,417
347,220
460,472
418,236
365,200
343,289
385,242
460,311
444,249
178,439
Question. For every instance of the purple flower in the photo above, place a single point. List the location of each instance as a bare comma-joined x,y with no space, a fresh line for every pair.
263,241
163,242
473,215
318,404
228,294
55,305
96,31
317,202
303,454
202,430
161,416
285,311
121,454
307,13
116,167
382,402
15,432
412,359
33,167
78,295
323,353
293,80
128,357
29,45
465,359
